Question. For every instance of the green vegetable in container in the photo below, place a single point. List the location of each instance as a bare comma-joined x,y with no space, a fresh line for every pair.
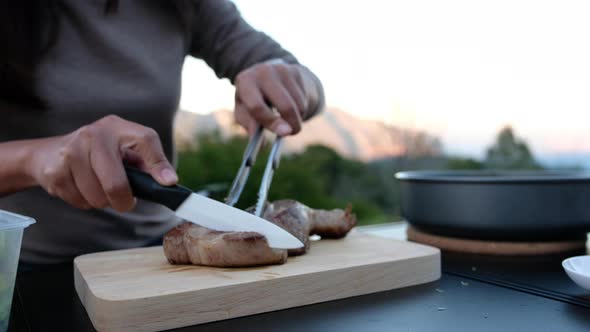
8,265
5,304
3,244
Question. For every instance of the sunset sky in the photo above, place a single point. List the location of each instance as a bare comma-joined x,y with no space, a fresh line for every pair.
459,69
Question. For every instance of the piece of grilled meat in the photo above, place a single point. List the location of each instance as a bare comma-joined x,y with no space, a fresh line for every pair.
193,244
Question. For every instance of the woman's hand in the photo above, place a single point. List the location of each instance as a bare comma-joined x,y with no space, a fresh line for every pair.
290,88
85,168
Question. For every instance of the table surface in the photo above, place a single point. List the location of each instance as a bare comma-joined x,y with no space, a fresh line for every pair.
474,294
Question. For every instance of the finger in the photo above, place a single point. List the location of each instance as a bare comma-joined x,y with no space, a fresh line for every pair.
146,143
133,159
69,192
108,166
279,97
249,95
245,119
296,92
85,178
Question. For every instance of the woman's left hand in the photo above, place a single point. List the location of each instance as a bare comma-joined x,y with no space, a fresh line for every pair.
288,88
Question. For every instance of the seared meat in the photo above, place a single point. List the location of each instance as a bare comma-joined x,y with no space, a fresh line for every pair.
193,244
302,221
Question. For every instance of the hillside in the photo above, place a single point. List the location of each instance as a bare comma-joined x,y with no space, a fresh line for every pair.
350,136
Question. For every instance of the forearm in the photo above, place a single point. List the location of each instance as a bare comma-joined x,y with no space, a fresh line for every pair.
15,174
228,43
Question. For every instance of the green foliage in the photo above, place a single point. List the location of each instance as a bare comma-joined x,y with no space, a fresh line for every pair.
318,177
457,163
510,152
215,162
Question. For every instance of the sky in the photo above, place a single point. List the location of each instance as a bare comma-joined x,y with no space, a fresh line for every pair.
458,69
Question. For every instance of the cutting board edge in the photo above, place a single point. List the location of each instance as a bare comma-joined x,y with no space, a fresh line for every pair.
87,298
430,262
425,250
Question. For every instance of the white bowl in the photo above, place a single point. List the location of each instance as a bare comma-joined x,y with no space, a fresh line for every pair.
578,269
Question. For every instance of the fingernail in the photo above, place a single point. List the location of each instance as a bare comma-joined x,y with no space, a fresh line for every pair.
169,176
283,129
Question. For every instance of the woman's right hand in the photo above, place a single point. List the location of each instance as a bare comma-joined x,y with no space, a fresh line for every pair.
85,167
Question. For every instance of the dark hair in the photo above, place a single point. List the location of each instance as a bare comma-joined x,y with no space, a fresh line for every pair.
28,30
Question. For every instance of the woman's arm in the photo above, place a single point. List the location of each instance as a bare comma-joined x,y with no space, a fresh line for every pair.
265,74
85,168
227,43
15,172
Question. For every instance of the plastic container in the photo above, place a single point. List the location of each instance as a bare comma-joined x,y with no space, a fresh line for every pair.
11,233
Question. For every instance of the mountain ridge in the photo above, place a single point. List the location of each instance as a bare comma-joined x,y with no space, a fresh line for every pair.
347,134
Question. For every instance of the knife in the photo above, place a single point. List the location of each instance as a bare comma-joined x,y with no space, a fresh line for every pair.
207,212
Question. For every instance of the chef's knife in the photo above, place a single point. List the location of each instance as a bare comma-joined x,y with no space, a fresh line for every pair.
207,212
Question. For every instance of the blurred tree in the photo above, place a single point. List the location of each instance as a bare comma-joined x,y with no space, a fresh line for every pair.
458,163
318,177
212,162
510,152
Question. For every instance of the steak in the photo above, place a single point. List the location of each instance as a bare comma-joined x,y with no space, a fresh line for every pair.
189,243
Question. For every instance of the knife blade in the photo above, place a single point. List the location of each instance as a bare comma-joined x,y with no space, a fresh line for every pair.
207,212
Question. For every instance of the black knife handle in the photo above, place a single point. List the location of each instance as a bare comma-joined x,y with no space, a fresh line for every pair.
145,187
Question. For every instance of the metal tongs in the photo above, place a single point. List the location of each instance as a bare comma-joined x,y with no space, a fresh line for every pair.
248,161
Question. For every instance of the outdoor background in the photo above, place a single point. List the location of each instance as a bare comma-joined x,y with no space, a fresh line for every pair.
409,85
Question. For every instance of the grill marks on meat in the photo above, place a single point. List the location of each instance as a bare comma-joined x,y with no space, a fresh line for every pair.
193,244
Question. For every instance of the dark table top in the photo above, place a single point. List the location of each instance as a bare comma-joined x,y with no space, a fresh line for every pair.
475,293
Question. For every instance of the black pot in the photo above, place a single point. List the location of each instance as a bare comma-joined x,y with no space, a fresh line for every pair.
498,205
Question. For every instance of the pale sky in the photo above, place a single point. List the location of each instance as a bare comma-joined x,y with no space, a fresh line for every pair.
459,69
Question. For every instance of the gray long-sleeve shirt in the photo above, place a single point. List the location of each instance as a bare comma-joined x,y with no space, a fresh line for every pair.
127,63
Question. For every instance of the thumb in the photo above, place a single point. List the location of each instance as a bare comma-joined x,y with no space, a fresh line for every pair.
161,170
164,174
153,160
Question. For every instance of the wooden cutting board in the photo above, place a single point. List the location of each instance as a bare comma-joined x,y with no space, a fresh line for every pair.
137,290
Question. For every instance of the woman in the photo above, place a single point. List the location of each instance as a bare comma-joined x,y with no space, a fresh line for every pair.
86,85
